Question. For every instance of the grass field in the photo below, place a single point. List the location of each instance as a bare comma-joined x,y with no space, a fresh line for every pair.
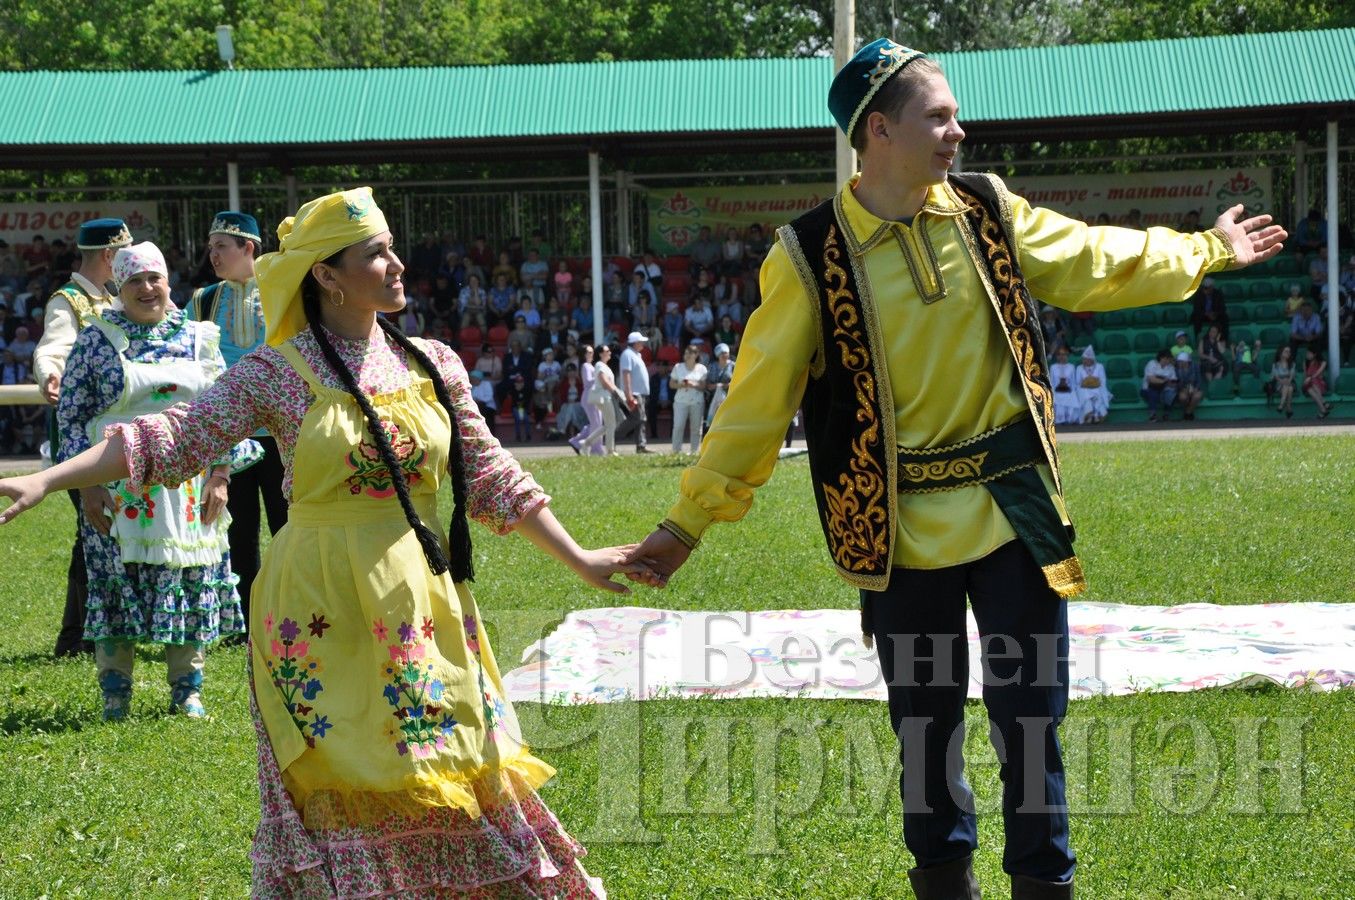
761,798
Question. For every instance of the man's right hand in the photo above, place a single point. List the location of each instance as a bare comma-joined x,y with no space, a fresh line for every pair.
51,389
663,553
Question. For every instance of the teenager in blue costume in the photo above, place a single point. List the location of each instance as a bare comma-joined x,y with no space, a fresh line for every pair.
233,243
900,314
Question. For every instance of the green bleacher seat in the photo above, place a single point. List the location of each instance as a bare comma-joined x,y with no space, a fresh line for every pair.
1287,264
1250,386
1119,367
1267,312
1125,392
1233,290
1115,342
1274,337
1345,385
1220,389
1176,314
1147,342
1263,289
1146,317
1116,318
1241,334
1239,312
1265,361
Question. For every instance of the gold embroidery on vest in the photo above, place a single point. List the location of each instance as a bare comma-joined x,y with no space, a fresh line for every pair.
942,469
857,518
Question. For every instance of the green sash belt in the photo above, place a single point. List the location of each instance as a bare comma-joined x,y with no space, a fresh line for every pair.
1002,460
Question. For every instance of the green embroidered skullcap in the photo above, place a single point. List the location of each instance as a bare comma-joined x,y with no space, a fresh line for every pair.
236,224
103,234
857,83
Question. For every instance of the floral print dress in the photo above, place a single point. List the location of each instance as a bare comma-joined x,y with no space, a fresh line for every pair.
390,761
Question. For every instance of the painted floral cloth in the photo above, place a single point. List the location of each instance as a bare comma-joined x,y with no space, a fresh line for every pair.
604,655
143,602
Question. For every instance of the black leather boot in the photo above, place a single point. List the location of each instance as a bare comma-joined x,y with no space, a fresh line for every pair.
1026,888
953,880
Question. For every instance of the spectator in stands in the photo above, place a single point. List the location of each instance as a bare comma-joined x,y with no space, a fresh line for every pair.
731,254
534,274
1207,307
502,299
480,255
427,257
661,392
1052,326
615,300
1159,385
572,419
1063,378
539,243
1347,279
23,346
13,270
1214,355
645,316
705,252
527,311
688,383
1315,381
1311,233
1281,384
581,319
1092,389
564,284
12,372
516,253
490,364
1134,219
1294,301
519,398
454,269
35,322
670,324
554,313
545,386
755,247
525,337
506,268
1345,318
703,288
639,284
605,397
1246,360
482,392
1306,329
698,321
1081,324
37,259
1189,225
584,288
725,332
718,375
729,294
410,320
445,300
652,270
1317,272
473,303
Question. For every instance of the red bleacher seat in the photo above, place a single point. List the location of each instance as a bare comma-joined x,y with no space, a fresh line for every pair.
469,357
471,336
676,264
677,284
498,334
669,353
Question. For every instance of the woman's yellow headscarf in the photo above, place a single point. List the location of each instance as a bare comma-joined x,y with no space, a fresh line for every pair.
319,229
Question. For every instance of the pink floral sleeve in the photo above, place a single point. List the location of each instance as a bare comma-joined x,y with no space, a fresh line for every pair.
499,492
173,446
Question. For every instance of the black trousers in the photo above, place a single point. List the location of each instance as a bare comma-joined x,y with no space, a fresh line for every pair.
263,479
70,641
920,631
635,422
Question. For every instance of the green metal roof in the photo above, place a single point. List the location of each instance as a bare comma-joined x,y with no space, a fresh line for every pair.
1258,82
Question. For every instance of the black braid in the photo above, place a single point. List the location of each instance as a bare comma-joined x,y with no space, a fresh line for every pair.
463,569
428,539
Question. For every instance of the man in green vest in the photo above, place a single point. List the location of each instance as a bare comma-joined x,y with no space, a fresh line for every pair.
233,243
70,309
900,314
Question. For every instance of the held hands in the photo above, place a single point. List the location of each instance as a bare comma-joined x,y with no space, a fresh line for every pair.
662,554
25,491
1253,240
598,566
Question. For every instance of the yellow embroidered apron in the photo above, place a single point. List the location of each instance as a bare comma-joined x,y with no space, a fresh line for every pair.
373,676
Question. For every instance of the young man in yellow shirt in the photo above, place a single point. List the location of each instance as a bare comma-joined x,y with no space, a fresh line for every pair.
901,315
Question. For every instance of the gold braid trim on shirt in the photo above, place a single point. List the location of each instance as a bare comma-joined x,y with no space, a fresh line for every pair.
857,515
788,237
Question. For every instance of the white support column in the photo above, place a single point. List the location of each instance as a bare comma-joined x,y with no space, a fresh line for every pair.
623,236
1333,257
844,45
595,238
233,184
291,194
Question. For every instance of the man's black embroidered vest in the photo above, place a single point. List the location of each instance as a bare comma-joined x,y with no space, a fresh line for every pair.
848,404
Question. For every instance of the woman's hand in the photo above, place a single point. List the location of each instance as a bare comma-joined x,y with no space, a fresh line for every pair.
214,495
597,567
93,503
24,491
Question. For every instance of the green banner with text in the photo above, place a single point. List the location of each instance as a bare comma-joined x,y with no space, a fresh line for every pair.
677,215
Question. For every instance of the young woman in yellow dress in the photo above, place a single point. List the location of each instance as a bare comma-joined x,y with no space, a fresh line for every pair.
390,760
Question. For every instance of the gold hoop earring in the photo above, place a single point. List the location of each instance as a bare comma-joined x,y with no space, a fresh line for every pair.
339,302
